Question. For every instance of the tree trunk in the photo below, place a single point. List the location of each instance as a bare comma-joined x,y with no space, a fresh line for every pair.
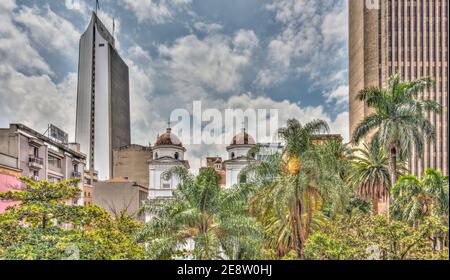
393,174
388,206
374,204
44,221
393,165
298,227
295,241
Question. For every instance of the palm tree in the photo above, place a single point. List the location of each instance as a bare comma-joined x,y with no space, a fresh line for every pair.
398,120
211,221
369,175
414,198
291,187
335,158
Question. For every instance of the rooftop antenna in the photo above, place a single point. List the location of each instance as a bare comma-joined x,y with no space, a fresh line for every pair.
114,27
97,6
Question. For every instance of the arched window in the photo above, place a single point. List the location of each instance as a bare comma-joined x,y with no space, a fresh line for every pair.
232,155
156,155
176,155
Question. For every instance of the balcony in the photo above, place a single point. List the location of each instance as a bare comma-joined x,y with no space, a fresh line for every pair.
76,174
34,178
35,162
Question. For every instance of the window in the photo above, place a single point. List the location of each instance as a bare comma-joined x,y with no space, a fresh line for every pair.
232,155
54,161
165,184
176,155
156,155
34,151
35,175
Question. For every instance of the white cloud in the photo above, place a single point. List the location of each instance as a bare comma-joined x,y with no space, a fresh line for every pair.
216,62
339,95
37,101
245,41
155,11
288,110
49,31
141,90
15,46
207,27
313,41
28,94
77,5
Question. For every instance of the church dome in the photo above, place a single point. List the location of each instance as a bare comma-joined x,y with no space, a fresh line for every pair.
243,138
168,138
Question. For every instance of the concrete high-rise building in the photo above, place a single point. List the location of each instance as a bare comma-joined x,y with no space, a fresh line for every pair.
103,99
408,37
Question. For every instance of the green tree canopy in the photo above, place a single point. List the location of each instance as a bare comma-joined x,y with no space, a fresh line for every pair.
201,221
415,199
398,121
362,237
46,225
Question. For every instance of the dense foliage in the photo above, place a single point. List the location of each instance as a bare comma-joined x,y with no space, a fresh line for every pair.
399,122
202,221
376,237
316,199
46,225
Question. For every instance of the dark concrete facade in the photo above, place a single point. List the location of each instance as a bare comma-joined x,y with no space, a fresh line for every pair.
120,101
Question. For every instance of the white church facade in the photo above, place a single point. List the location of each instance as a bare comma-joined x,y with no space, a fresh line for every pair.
168,152
238,158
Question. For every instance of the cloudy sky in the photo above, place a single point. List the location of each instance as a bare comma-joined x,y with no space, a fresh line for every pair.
285,54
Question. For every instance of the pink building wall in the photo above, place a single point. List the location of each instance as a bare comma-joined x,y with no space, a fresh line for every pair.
7,182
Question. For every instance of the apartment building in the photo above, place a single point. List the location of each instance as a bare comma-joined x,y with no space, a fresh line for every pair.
26,152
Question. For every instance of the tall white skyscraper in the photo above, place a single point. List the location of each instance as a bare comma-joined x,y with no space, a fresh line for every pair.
103,99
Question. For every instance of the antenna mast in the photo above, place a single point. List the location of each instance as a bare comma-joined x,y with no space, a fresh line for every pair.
114,27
